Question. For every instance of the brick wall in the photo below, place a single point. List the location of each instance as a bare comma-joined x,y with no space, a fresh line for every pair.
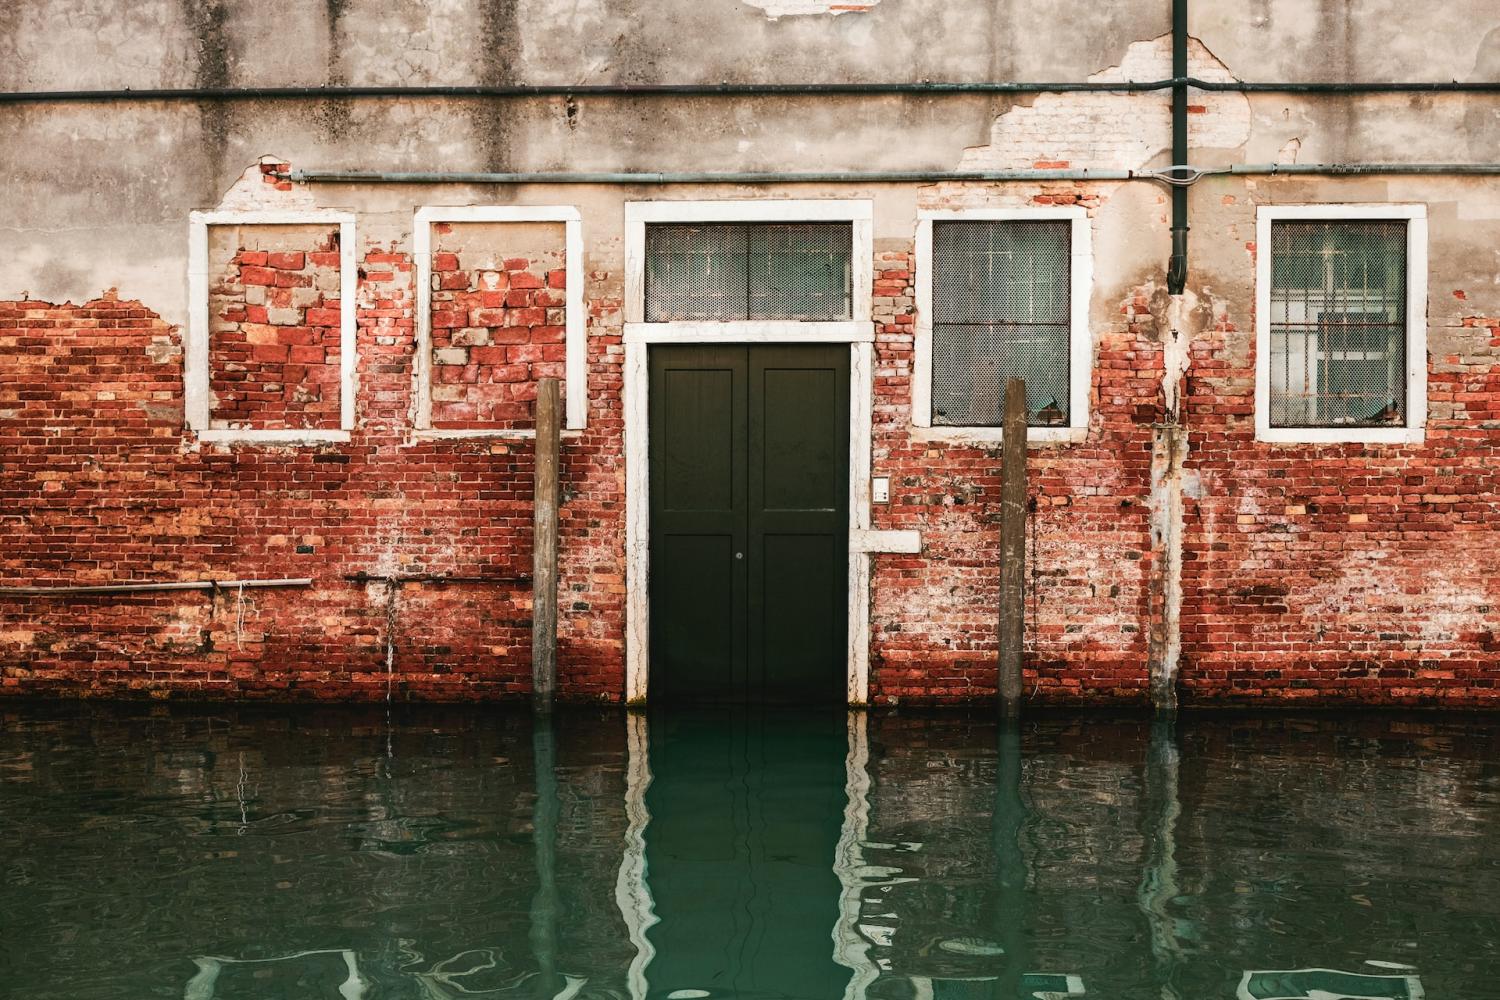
273,346
497,322
1332,572
1345,573
1087,603
100,484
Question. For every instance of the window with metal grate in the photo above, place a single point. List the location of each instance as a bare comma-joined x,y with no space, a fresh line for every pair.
1001,293
1338,324
749,271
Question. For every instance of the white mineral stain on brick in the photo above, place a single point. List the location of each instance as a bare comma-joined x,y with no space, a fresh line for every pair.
1119,131
1428,597
793,8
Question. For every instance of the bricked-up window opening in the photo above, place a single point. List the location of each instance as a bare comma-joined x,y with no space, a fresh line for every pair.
1001,293
498,321
274,356
749,271
1338,324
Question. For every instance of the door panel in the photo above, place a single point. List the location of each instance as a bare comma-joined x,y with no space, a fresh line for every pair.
802,459
749,503
806,612
698,522
799,522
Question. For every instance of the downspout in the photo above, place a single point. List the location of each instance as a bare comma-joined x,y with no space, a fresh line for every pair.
1169,439
1177,265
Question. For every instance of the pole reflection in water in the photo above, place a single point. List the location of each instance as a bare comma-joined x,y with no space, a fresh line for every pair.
544,839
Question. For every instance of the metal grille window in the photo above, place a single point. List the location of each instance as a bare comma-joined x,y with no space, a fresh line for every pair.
1001,293
1338,324
749,271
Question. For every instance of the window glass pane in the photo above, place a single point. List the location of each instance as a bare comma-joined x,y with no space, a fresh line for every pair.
1001,294
695,272
749,271
800,271
1338,324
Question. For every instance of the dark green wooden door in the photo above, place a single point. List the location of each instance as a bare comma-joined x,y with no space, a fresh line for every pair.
749,458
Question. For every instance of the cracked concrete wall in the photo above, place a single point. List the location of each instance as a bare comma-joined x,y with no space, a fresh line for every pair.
96,182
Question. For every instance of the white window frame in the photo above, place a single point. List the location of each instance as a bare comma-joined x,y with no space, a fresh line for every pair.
575,369
859,213
1415,217
1080,344
858,333
197,408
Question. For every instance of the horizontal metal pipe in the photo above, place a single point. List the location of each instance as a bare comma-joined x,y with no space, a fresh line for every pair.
917,87
431,578
712,177
573,90
1359,168
125,588
876,176
1336,87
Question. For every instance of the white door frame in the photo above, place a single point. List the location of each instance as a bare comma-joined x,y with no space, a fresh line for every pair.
858,333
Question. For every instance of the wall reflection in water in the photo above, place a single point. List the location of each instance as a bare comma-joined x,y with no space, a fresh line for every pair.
336,853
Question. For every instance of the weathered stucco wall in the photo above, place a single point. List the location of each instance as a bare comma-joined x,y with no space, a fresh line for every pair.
1330,572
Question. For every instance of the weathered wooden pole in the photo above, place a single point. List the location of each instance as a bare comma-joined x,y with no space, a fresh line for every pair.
1012,546
544,545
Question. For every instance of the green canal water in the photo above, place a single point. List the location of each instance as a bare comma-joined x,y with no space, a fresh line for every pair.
343,853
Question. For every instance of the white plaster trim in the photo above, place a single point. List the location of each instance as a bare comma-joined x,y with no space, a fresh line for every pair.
1415,431
575,328
197,410
861,419
480,433
1081,342
289,436
859,212
634,392
897,541
769,332
990,436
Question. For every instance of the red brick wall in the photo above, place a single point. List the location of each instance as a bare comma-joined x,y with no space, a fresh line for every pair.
100,484
1344,573
1333,573
935,614
497,327
274,337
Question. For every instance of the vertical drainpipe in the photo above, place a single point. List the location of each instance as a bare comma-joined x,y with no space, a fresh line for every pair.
1177,266
1169,447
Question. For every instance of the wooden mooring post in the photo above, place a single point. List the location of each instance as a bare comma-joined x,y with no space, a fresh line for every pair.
544,545
1012,547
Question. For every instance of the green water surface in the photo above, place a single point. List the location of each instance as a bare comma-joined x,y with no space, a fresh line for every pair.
351,854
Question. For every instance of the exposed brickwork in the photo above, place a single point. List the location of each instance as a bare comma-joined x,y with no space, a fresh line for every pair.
101,484
1332,572
1345,573
935,614
497,325
274,349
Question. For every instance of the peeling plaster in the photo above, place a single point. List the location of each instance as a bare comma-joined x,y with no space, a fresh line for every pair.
1115,130
794,8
